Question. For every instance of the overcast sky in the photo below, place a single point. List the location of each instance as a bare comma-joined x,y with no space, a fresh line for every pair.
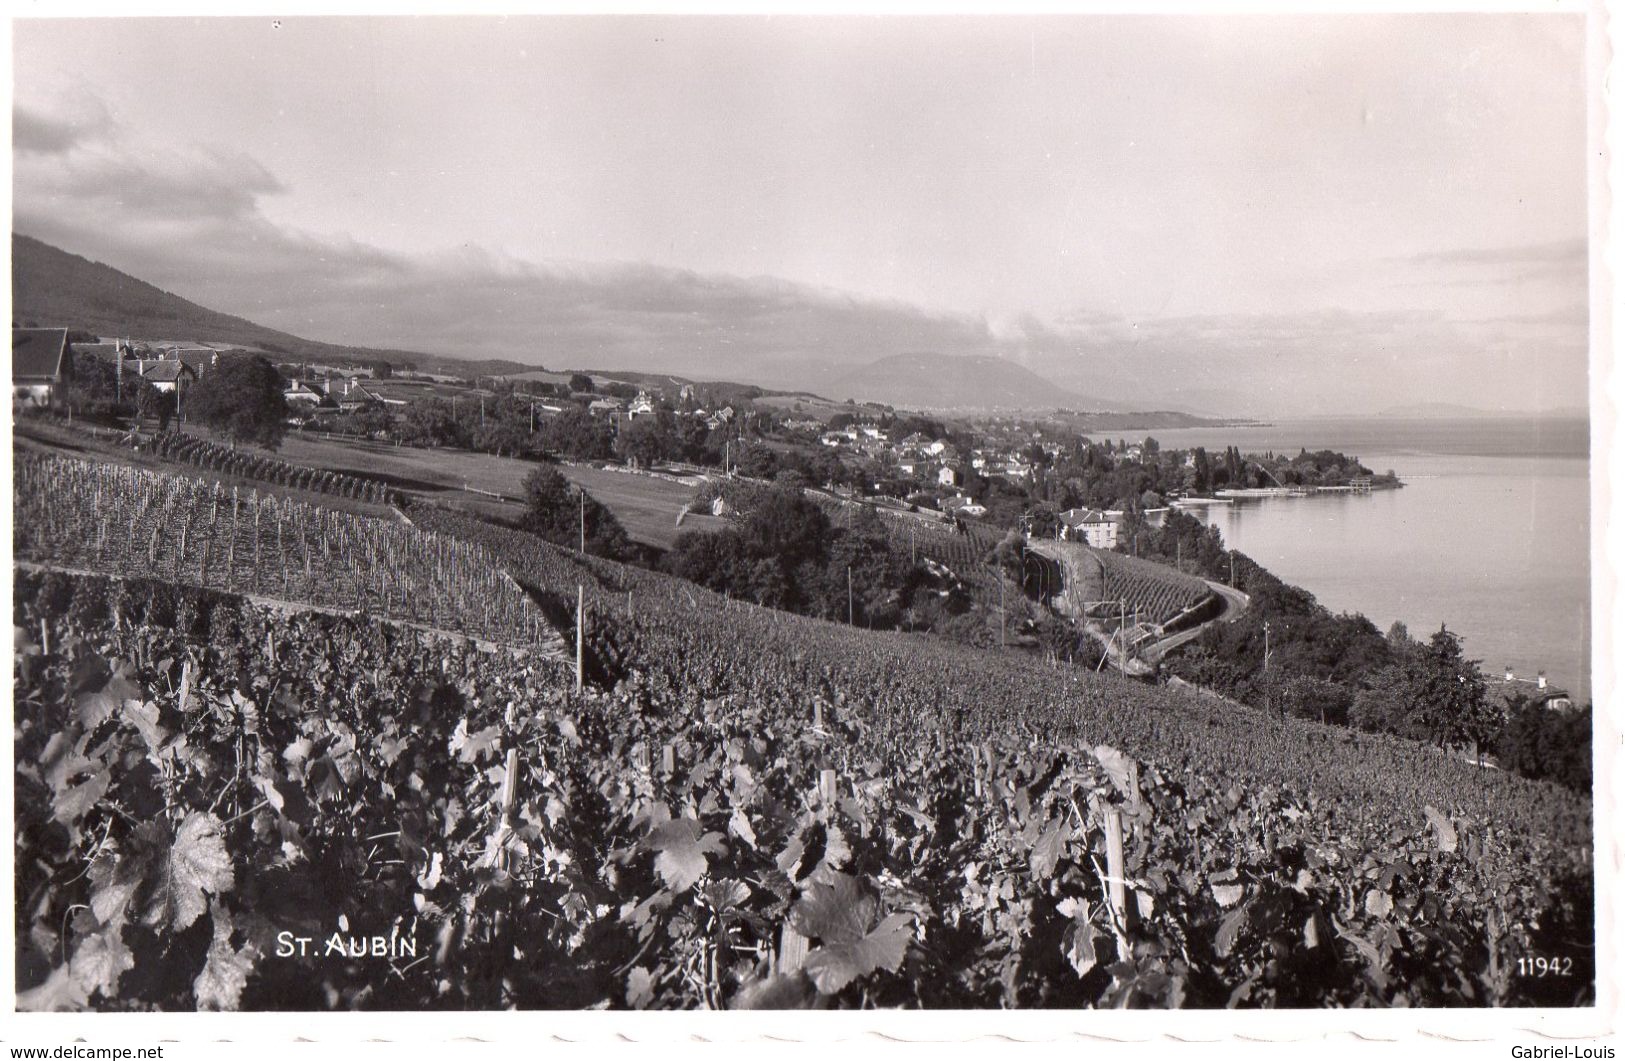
1308,213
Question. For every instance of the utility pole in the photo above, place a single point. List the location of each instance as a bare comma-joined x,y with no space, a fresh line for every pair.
1001,612
1232,569
1267,689
848,594
583,522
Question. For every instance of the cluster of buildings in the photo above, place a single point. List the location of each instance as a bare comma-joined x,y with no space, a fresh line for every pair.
42,362
925,461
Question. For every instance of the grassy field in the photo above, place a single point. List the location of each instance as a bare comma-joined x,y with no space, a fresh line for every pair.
647,506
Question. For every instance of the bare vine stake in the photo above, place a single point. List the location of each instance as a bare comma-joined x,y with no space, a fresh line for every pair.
44,638
581,606
792,950
818,714
1114,873
510,786
827,787
668,760
186,685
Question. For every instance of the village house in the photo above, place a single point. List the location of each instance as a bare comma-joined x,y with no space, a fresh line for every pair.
1537,690
948,475
604,407
41,361
112,351
839,438
642,405
165,375
1092,526
962,505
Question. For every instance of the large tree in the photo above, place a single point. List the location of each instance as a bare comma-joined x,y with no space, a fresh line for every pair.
1431,694
242,398
556,509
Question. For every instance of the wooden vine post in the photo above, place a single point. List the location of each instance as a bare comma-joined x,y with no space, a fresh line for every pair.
581,635
828,788
510,786
1116,886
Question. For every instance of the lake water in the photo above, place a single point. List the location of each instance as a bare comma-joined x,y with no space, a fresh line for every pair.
1490,534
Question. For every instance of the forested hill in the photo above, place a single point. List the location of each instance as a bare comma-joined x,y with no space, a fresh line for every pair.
51,288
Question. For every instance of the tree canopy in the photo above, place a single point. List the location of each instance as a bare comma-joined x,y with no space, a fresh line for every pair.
242,398
555,509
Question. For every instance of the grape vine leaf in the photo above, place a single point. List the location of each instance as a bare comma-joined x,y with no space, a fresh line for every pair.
1047,851
834,965
681,845
639,988
60,991
94,708
101,959
144,717
838,909
739,825
219,986
1444,831
1078,941
787,991
1078,947
71,804
195,864
1225,938
1120,768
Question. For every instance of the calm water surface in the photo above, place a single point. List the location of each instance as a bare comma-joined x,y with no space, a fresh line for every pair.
1489,536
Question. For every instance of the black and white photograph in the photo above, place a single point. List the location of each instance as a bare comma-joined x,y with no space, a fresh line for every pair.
603,513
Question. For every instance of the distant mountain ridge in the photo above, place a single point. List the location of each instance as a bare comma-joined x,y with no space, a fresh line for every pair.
929,381
51,288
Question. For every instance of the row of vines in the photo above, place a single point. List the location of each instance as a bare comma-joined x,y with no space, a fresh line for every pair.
121,520
211,456
1156,591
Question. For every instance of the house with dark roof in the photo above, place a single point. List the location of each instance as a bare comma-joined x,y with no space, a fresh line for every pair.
199,360
165,375
41,362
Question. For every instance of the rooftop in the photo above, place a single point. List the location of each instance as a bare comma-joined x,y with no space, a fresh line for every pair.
37,353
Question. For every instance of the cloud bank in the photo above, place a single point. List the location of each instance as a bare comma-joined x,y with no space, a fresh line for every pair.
194,220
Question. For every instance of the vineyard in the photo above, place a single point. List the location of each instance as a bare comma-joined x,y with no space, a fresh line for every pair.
744,808
210,456
1156,591
116,519
455,829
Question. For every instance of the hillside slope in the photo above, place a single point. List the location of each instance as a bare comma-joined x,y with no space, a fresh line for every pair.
52,288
